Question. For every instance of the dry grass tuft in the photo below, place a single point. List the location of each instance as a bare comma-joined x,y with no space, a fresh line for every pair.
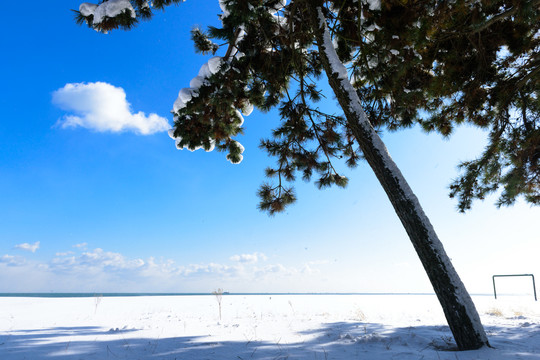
495,312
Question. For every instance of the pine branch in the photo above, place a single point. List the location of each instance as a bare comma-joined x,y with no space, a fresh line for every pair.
502,16
232,45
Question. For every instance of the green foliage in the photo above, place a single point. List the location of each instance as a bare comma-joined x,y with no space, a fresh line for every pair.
202,43
451,62
271,59
143,10
122,21
437,64
511,160
275,198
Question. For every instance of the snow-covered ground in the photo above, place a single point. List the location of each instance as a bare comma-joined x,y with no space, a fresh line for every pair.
258,327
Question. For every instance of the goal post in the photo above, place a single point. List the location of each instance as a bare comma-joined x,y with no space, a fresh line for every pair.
531,275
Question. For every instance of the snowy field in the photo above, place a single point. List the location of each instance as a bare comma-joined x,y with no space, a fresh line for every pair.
258,327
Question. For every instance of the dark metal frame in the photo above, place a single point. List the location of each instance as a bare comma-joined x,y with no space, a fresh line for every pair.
531,275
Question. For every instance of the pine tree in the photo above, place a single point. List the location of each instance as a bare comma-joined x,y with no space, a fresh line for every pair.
387,62
461,61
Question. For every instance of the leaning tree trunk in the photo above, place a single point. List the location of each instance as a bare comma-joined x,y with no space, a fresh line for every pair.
458,307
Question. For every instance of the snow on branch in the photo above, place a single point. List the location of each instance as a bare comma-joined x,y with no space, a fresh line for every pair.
185,119
110,9
114,14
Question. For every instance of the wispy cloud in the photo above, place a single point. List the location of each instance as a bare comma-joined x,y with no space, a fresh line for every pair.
210,269
11,260
97,259
80,246
249,258
65,253
28,247
103,107
274,269
101,270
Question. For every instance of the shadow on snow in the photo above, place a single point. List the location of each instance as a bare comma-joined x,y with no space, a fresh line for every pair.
338,340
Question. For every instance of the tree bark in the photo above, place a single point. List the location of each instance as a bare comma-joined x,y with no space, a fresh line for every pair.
457,305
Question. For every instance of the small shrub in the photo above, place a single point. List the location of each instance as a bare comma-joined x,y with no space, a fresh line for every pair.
97,301
360,315
219,295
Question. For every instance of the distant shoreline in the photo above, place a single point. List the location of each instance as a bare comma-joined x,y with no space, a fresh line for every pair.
87,295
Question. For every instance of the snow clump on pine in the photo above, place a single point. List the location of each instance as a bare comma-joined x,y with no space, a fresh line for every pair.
109,9
210,68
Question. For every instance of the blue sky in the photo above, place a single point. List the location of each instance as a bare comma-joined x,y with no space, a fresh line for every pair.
94,210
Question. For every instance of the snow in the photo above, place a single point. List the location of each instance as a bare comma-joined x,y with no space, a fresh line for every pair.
204,71
237,53
170,132
196,82
247,109
240,117
281,21
373,27
223,9
337,66
214,64
374,4
279,6
178,104
211,67
228,157
185,95
180,147
110,8
338,327
208,69
87,9
239,145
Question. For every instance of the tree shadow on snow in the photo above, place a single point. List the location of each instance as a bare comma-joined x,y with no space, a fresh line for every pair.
338,340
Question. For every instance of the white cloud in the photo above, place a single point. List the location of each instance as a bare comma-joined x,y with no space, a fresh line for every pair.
103,107
274,270
28,247
249,258
81,245
64,253
97,259
6,259
11,260
319,262
307,269
106,271
210,269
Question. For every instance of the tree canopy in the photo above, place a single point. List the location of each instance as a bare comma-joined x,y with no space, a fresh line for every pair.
437,64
